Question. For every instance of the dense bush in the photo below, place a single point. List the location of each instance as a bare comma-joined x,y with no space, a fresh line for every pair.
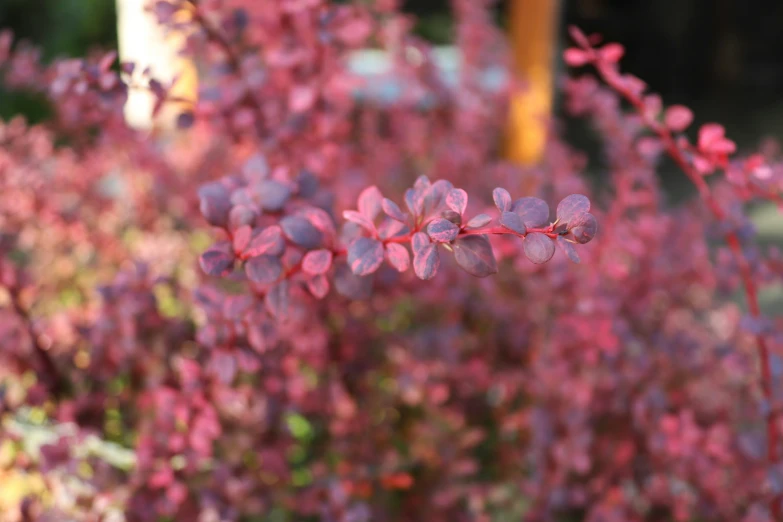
232,322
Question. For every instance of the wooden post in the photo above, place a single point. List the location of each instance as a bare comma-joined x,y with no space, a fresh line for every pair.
147,44
533,31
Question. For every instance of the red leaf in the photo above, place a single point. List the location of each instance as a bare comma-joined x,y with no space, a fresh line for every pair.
318,286
392,210
612,52
317,262
360,219
678,118
369,202
268,241
242,238
576,57
457,200
398,256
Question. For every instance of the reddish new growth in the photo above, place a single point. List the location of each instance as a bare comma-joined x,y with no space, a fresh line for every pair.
710,153
299,368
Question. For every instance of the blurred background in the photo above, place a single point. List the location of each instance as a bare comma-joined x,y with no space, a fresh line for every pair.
723,58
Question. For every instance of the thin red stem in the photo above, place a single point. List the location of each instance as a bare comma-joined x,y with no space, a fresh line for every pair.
606,71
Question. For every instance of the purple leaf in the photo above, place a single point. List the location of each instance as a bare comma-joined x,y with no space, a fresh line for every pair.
392,210
264,269
301,232
360,219
474,254
539,248
215,203
318,286
350,285
568,248
436,196
452,216
216,262
479,221
268,241
420,241
320,220
533,211
442,230
241,215
369,202
398,256
457,200
276,300
426,262
572,207
513,222
390,228
272,195
317,262
307,184
365,256
584,228
502,199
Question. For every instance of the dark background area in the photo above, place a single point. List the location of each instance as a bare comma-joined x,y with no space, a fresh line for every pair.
722,57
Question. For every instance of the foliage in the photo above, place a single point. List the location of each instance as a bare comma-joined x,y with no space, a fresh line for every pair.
275,314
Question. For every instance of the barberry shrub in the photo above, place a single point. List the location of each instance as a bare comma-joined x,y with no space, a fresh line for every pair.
324,298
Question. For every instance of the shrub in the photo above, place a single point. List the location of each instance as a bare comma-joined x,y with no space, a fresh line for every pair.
234,323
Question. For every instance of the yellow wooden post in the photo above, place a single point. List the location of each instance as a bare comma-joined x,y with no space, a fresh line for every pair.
147,44
533,32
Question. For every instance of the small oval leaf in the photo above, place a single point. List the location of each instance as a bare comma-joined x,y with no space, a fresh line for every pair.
585,228
457,200
502,199
572,207
273,195
369,202
426,262
216,262
301,232
365,256
398,256
442,230
568,248
318,286
533,211
419,241
392,210
474,255
317,262
539,248
268,241
479,221
264,269
360,219
513,222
